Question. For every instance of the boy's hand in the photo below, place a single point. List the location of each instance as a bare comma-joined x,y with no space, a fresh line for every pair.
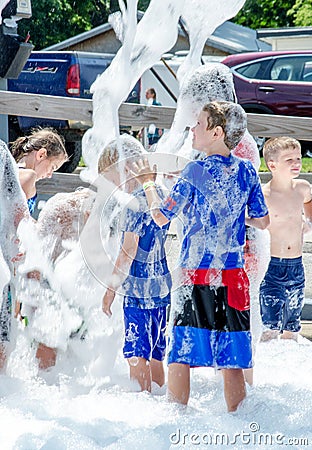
142,170
108,299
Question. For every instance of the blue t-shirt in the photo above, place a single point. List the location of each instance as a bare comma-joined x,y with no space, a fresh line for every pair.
149,282
212,195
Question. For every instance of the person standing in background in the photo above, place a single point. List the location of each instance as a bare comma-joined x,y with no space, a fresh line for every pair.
153,133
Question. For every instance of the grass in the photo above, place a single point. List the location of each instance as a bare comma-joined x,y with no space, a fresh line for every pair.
306,165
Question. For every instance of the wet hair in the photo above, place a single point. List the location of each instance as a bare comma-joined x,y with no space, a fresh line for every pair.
230,117
40,138
151,91
131,148
274,146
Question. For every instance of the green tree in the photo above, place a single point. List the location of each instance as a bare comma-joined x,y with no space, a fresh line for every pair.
301,13
55,20
266,14
143,5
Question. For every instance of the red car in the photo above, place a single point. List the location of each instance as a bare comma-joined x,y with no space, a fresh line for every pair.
276,82
273,82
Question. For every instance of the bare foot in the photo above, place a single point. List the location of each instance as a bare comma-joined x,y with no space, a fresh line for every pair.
2,356
289,335
268,335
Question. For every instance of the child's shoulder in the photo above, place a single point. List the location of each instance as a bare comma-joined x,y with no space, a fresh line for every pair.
26,174
266,188
28,179
303,186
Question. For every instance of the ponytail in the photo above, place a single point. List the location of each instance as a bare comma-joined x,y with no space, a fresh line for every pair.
42,138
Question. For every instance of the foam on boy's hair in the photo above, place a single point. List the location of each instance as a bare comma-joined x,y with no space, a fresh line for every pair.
125,147
210,82
274,146
231,117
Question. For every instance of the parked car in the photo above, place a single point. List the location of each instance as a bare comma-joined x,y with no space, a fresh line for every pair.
276,82
65,74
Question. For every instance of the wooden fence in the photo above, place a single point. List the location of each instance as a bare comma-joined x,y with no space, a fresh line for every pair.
136,115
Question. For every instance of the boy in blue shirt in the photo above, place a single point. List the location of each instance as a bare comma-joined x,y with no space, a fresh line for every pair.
211,319
142,273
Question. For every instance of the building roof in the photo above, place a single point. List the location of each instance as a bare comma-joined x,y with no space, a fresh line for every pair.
228,37
284,32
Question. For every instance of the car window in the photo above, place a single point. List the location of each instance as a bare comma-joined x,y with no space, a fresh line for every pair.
255,70
307,71
293,68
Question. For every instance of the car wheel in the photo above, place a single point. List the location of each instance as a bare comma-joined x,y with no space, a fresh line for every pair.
74,154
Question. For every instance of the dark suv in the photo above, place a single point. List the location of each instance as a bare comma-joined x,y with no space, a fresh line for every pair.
276,82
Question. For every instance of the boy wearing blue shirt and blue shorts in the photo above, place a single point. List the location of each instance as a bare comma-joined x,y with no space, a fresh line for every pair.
211,323
142,273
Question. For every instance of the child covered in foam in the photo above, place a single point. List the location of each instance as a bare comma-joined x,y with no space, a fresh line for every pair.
75,243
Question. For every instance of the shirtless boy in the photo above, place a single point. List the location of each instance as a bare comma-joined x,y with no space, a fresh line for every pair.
290,207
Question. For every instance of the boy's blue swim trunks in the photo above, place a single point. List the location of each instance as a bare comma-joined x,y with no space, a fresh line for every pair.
145,333
282,294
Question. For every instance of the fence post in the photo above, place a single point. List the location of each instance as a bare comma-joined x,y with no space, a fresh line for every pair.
4,133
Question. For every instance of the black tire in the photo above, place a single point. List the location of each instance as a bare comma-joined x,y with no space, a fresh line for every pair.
14,131
74,153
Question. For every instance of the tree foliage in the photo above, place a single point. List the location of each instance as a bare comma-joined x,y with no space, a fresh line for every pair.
55,20
302,13
265,14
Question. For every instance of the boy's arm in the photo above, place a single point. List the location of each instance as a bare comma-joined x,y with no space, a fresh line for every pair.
259,197
307,207
260,222
146,176
154,201
122,265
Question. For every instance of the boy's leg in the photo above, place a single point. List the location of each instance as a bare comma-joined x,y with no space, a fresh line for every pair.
158,373
178,383
234,387
46,356
158,336
2,355
272,301
140,371
294,303
248,375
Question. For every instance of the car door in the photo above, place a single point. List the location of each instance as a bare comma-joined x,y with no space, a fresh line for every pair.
287,87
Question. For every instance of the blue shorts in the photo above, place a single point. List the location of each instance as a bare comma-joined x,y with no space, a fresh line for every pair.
145,333
282,294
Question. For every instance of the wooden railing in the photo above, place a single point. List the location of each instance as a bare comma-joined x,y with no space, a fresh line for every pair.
65,108
138,116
